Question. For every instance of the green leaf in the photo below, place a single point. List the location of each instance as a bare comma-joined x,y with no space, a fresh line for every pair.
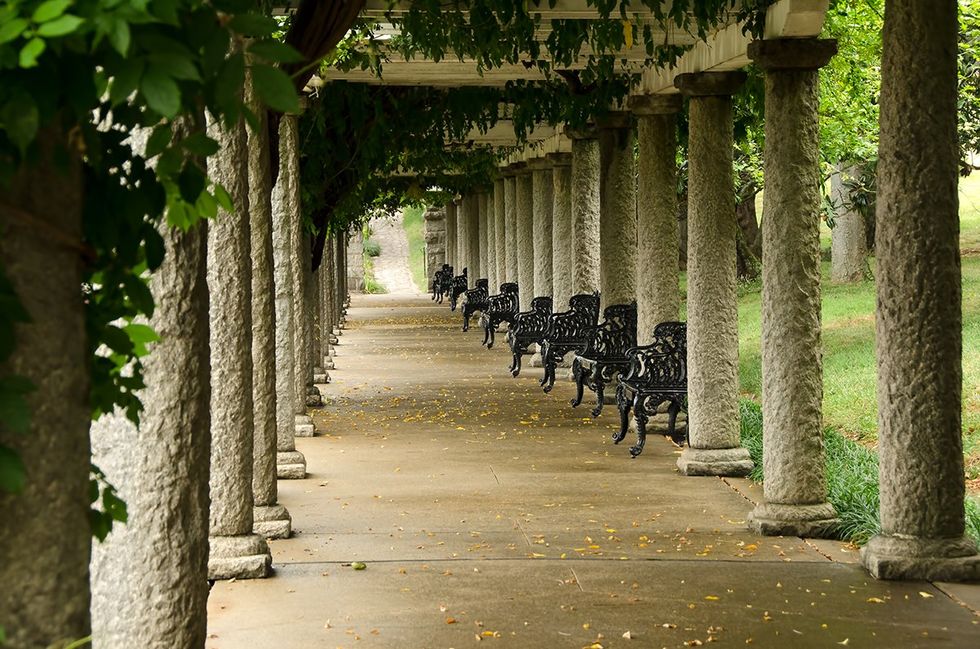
13,29
19,117
206,205
49,10
160,91
253,24
200,144
13,476
30,52
139,294
60,26
176,65
155,250
275,89
126,81
275,52
158,141
224,198
117,340
120,36
191,182
141,335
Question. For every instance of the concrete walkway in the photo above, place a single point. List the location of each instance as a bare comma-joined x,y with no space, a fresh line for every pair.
391,266
488,513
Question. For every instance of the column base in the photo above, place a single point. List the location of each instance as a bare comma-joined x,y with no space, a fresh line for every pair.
304,426
732,462
238,557
536,360
320,376
658,423
271,521
817,521
333,339
313,397
328,363
290,465
893,557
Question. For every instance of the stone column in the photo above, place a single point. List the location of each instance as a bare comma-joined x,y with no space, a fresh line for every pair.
451,255
795,485
483,227
585,211
327,279
435,241
848,238
657,274
525,238
542,186
919,315
499,233
354,260
340,257
308,305
271,519
490,242
285,198
561,229
320,340
45,535
712,308
510,222
235,550
617,221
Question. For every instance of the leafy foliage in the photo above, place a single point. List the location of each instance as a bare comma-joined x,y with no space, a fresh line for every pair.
128,81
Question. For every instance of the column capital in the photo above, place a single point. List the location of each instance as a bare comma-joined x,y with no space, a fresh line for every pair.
536,164
656,104
792,53
615,119
512,169
560,159
588,132
710,84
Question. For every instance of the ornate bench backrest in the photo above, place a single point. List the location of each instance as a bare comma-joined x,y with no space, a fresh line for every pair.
541,304
576,323
506,301
663,363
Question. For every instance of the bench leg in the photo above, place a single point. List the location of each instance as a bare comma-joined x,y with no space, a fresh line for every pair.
490,332
672,411
466,320
641,427
548,382
600,390
515,367
579,373
624,414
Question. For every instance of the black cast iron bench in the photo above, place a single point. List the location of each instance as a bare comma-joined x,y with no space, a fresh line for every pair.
529,327
605,355
568,331
500,308
458,287
657,374
441,283
475,299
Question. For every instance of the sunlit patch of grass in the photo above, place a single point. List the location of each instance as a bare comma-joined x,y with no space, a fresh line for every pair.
414,224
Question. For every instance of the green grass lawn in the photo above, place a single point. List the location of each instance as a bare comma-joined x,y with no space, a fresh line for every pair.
848,337
414,226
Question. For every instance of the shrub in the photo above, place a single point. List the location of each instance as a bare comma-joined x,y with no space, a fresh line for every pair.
372,248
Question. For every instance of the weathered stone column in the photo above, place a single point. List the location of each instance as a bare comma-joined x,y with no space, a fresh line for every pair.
354,260
308,305
271,519
435,242
585,211
340,258
525,238
712,308
472,202
320,344
617,220
499,233
510,223
490,242
483,227
795,485
848,238
235,550
561,229
451,254
285,196
327,279
45,535
542,186
919,315
657,274
462,235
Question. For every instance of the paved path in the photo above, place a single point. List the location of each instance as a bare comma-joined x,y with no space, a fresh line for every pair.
490,514
391,266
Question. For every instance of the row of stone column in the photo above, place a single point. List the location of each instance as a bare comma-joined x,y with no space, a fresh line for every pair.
246,330
559,233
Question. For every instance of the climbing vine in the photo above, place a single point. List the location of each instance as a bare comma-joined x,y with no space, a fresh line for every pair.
128,82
